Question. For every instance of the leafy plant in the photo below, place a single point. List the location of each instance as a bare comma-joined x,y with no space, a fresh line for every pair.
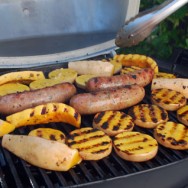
169,34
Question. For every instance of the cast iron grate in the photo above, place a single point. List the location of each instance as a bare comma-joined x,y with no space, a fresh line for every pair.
15,172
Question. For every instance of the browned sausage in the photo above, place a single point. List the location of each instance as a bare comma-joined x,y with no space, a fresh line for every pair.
113,99
16,102
141,77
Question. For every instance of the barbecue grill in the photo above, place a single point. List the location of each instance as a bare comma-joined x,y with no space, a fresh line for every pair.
167,170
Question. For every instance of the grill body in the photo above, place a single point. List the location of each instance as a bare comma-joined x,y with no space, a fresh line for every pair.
167,170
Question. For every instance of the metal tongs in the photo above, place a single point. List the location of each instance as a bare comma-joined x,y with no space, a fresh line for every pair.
139,28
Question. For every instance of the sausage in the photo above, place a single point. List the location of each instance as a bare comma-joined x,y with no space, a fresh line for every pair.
113,99
16,102
141,77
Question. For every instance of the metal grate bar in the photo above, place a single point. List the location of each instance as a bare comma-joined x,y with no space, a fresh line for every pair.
86,172
45,177
29,174
3,183
61,179
122,164
98,169
13,169
75,176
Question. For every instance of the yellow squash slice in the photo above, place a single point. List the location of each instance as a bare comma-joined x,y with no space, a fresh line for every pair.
21,76
168,99
135,146
117,66
113,122
172,135
182,114
92,144
5,127
82,79
9,88
141,61
43,83
164,75
64,75
49,134
126,70
51,112
148,115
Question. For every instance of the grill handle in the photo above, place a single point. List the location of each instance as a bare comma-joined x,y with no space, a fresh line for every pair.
140,27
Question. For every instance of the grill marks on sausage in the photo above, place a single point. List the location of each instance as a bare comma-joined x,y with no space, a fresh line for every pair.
174,134
134,143
89,140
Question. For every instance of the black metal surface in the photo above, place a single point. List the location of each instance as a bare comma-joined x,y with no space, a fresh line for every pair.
167,170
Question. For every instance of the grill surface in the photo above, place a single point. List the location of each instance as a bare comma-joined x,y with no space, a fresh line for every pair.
167,169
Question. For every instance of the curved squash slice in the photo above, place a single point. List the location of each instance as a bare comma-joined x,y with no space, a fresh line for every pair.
21,76
63,75
138,60
5,127
42,114
10,88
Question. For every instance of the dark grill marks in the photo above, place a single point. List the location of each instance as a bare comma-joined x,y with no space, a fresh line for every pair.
132,142
113,122
167,96
185,113
89,140
43,110
148,113
175,135
99,117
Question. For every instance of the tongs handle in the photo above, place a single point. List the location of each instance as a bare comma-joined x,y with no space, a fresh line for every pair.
140,27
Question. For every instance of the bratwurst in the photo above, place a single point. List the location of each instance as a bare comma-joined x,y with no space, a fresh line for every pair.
16,102
113,99
141,77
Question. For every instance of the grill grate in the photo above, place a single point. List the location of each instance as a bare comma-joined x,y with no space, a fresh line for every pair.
15,172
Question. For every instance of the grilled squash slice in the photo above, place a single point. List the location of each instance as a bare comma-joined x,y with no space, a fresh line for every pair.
141,61
164,75
92,144
10,88
126,70
50,112
148,115
168,99
182,114
21,77
6,127
43,83
82,79
135,146
172,135
117,66
177,84
113,122
64,75
49,134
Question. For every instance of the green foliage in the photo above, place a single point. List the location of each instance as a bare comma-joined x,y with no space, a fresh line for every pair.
169,34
